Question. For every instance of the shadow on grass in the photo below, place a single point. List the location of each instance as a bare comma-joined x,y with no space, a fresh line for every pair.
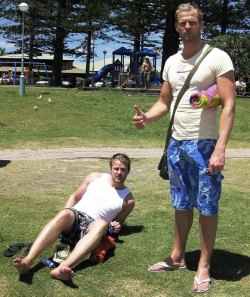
224,265
87,263
128,230
4,163
28,278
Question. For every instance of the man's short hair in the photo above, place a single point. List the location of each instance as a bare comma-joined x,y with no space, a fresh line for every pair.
122,158
188,7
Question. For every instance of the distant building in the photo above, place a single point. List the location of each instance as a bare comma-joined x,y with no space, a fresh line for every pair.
41,66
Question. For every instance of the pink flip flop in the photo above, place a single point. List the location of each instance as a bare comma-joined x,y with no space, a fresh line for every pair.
163,266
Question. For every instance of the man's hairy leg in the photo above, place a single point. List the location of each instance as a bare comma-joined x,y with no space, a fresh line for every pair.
183,224
208,228
85,245
62,222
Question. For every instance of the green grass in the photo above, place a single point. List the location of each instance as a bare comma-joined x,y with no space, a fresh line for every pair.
33,191
94,119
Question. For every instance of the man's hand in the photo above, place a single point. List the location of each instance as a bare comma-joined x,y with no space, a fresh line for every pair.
140,119
115,227
216,162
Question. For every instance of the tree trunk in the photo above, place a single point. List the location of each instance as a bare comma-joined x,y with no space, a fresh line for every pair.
170,39
88,58
58,57
224,17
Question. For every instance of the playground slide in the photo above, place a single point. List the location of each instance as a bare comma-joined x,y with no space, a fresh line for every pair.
102,72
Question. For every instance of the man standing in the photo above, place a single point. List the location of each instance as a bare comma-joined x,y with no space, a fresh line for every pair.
27,75
196,153
89,211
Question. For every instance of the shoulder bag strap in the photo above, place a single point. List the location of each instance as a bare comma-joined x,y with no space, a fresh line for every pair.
182,91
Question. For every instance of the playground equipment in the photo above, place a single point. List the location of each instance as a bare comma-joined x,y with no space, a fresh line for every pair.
102,72
15,76
135,61
118,64
117,68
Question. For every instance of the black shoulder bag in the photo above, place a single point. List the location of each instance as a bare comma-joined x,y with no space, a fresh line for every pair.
163,165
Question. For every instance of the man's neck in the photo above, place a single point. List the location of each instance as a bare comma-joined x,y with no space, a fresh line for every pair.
190,49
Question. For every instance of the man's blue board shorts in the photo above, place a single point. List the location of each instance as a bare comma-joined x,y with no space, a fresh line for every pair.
190,183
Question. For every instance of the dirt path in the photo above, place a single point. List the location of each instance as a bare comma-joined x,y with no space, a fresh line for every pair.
82,153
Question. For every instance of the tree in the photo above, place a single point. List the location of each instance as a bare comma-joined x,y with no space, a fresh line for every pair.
238,48
91,21
34,31
224,16
135,20
2,51
50,25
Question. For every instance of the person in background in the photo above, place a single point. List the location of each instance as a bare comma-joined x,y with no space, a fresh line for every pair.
240,86
5,79
146,69
196,152
102,201
27,75
129,82
10,76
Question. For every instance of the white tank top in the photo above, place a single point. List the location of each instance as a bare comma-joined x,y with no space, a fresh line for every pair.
101,200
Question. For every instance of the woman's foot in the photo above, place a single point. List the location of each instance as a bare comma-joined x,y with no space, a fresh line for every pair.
62,273
22,265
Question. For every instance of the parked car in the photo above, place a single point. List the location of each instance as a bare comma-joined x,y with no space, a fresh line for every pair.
4,81
66,84
42,83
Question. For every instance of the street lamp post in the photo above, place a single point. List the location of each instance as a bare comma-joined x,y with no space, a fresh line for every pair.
93,65
104,53
23,8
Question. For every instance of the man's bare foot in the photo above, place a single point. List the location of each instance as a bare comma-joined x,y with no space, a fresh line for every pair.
22,265
62,273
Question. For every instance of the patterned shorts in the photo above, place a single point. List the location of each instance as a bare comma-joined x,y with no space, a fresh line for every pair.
82,222
190,184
